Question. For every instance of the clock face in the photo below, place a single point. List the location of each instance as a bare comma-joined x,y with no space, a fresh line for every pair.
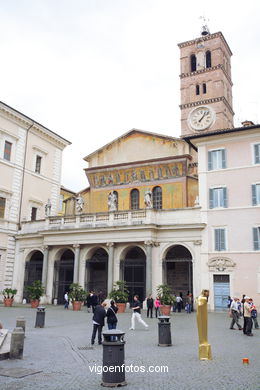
201,118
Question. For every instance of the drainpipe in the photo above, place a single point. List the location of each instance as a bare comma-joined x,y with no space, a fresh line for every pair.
23,174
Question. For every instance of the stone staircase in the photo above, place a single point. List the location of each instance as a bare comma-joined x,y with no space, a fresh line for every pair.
5,342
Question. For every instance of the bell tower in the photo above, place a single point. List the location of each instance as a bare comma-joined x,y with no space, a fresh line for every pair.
206,85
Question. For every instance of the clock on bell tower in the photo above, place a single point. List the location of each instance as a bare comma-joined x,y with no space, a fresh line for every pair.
206,85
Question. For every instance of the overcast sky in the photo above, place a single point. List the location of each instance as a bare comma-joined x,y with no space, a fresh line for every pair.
91,70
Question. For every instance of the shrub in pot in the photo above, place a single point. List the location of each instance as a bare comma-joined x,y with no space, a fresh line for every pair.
120,295
77,294
35,291
9,294
166,299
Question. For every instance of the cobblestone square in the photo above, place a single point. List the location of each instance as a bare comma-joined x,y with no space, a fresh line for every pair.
62,352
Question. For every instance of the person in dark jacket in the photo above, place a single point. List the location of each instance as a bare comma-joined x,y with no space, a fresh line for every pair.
111,315
93,300
98,322
149,303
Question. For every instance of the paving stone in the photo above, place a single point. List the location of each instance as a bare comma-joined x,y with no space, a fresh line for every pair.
62,352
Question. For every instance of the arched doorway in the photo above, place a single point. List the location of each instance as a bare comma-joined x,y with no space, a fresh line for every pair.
63,275
134,271
96,270
33,271
178,270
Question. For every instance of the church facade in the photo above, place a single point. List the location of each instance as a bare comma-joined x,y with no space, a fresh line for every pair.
160,209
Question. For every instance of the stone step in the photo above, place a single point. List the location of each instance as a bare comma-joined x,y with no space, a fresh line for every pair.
3,334
5,348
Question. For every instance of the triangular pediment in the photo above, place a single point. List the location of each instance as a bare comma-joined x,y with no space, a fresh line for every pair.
137,145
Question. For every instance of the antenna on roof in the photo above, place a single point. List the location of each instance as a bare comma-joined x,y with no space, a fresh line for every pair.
204,29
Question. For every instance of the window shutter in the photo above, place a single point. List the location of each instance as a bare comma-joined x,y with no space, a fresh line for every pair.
225,197
216,239
254,202
224,163
256,238
257,153
209,161
211,200
222,240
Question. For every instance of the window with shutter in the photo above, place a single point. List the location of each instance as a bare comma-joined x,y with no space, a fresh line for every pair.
220,239
2,207
256,238
257,154
7,150
216,159
217,197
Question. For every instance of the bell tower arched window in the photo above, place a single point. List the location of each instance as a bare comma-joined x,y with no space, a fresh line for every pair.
208,59
157,198
193,63
197,89
204,87
134,200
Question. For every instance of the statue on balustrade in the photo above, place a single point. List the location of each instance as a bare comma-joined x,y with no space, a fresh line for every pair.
112,201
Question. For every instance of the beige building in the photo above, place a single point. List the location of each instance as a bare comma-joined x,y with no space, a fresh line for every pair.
30,170
141,219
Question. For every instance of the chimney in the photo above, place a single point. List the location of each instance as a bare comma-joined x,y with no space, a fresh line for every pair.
247,123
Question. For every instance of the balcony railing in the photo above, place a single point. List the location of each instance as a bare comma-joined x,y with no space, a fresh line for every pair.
176,217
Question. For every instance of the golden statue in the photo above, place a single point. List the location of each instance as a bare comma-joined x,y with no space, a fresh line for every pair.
202,321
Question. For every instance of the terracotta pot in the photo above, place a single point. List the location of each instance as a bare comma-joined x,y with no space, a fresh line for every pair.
8,302
35,303
121,307
76,305
165,310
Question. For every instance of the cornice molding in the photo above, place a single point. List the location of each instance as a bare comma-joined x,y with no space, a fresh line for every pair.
26,123
208,101
207,70
206,38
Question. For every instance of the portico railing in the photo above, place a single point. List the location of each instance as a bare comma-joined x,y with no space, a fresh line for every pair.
121,218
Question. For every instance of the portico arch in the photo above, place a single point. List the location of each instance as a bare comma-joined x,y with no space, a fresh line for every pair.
33,270
177,269
63,273
96,271
133,271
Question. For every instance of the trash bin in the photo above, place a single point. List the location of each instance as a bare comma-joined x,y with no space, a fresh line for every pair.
40,317
164,330
113,372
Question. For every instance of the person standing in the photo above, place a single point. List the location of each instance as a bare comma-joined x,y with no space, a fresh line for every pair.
111,315
149,303
157,305
248,322
137,314
66,299
98,322
254,313
93,300
179,303
235,312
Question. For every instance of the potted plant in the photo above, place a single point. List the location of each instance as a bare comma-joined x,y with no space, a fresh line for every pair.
9,294
120,295
77,295
166,299
35,291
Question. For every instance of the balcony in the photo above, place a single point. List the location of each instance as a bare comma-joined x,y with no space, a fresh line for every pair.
176,217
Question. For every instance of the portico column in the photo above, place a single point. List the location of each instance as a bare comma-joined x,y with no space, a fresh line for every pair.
110,270
76,263
45,266
149,247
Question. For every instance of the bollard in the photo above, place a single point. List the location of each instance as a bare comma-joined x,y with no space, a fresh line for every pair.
20,323
40,317
17,343
164,331
113,370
